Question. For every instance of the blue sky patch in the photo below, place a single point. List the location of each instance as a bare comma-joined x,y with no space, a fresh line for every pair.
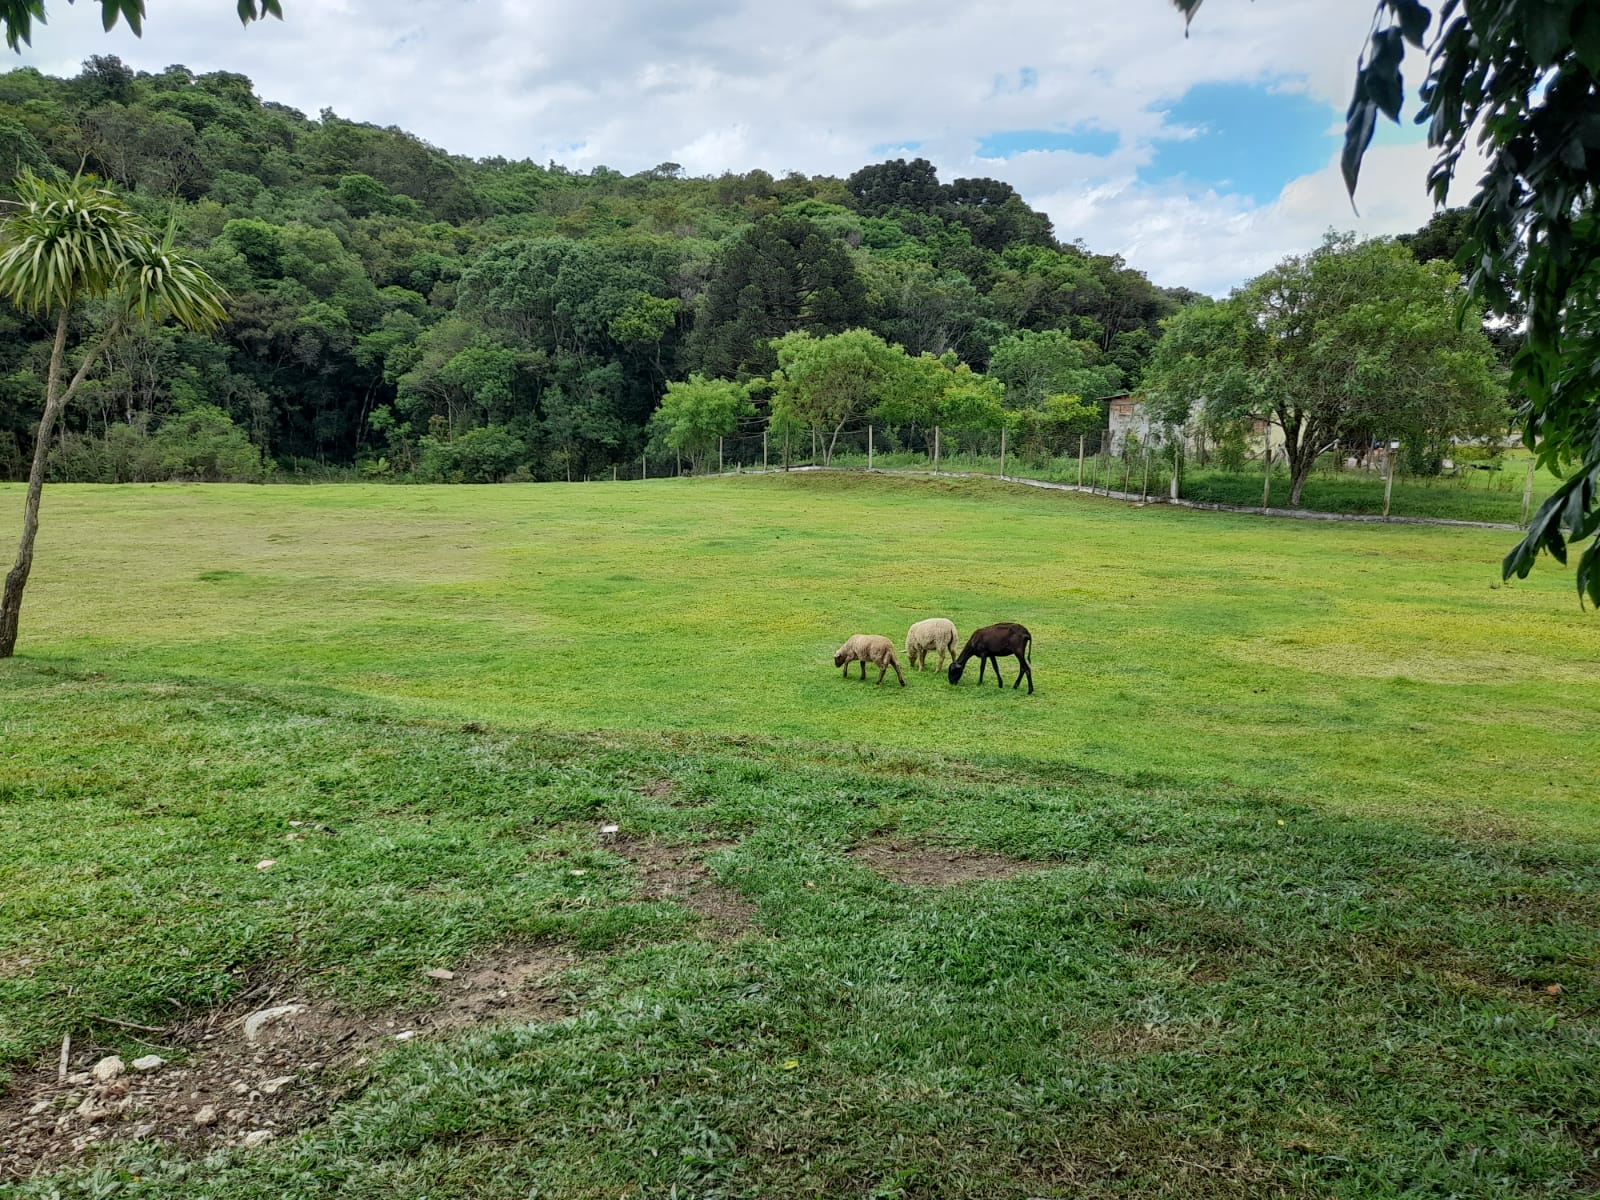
1005,143
1026,79
894,149
1249,140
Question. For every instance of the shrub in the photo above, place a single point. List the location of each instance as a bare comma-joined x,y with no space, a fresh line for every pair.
197,443
484,455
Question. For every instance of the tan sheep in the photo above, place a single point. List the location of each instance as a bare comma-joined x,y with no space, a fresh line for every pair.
867,648
936,633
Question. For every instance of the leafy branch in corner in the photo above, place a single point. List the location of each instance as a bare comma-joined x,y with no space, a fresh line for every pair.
18,16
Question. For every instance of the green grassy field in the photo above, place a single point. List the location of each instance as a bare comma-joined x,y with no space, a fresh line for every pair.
1311,847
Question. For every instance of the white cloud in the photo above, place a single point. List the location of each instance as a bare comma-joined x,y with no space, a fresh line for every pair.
812,85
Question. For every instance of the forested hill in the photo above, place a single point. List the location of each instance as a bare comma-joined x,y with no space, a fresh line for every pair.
387,295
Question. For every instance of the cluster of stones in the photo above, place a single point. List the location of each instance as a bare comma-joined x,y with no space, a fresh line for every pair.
118,1093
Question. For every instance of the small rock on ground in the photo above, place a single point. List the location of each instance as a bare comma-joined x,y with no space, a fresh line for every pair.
107,1069
257,1021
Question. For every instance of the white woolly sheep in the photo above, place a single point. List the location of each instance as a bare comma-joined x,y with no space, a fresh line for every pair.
936,633
867,648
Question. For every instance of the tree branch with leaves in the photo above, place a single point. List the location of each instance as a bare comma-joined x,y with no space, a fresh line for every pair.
17,16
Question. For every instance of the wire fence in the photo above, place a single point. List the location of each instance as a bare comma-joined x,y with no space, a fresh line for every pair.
1502,489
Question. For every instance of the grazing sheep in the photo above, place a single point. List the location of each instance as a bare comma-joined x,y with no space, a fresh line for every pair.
868,647
935,633
992,643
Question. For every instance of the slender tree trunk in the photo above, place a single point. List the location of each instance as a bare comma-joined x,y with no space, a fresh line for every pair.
17,578
827,457
56,401
1302,458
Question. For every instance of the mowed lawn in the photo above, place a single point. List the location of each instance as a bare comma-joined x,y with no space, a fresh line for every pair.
1377,669
1301,878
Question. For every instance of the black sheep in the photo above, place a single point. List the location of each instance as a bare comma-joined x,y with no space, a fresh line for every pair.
992,643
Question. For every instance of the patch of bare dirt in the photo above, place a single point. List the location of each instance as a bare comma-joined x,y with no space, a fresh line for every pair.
1131,1041
14,964
923,865
658,789
216,1086
679,874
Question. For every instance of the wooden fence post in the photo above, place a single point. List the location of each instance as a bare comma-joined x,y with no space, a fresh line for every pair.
644,468
719,456
1002,452
785,449
1144,489
936,449
763,449
869,447
1080,460
1266,453
1388,482
1527,491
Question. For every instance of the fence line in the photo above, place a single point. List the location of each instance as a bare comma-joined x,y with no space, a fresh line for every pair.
1117,468
1138,499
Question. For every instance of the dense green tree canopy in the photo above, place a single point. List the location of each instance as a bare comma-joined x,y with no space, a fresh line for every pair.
388,298
696,413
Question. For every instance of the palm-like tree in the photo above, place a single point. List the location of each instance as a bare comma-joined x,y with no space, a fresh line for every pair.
66,241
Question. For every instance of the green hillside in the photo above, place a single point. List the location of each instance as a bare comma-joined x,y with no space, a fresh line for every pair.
389,297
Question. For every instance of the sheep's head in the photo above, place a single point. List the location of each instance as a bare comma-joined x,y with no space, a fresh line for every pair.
955,672
838,658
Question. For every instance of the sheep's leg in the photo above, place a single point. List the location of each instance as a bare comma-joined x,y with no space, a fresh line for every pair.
998,678
983,665
896,667
863,667
883,669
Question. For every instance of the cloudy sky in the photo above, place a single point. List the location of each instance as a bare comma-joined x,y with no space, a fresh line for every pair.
1201,160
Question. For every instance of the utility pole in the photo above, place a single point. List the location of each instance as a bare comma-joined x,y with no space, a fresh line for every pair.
869,447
